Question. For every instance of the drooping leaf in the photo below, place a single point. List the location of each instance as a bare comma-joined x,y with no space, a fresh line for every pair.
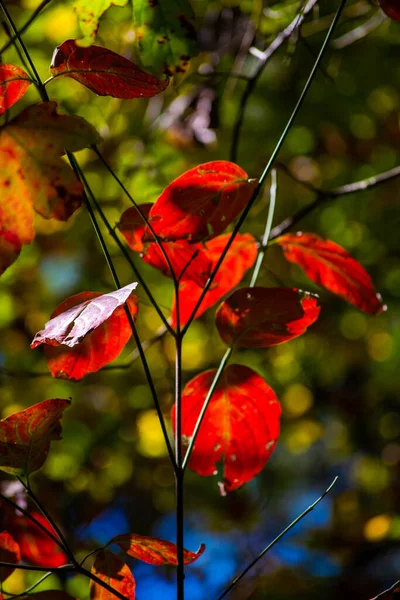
33,177
391,8
87,331
240,258
330,266
25,436
13,84
165,34
89,13
240,427
113,571
9,552
201,203
37,548
104,72
258,317
154,550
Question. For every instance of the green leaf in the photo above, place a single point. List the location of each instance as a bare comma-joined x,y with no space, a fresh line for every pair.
165,34
89,13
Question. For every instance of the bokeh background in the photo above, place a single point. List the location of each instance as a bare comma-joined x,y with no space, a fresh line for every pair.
338,384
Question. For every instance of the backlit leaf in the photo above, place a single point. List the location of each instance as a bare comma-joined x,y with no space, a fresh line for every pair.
240,427
154,550
87,331
240,257
37,548
25,436
9,552
13,84
201,203
258,317
132,226
330,266
33,177
89,13
165,34
104,72
113,571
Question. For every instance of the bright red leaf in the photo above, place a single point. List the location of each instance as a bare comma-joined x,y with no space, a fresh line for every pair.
330,266
154,550
87,331
391,8
113,571
240,258
13,84
240,427
201,203
25,436
132,226
9,552
104,72
258,317
37,548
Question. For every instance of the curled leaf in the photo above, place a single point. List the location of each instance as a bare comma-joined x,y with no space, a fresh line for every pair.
112,570
154,550
258,317
13,84
9,552
104,72
240,427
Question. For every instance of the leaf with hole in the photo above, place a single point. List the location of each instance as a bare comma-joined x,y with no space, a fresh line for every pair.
13,84
330,266
25,436
258,317
153,550
9,552
113,571
201,203
104,72
240,427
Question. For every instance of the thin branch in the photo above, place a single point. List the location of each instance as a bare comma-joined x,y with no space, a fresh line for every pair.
26,25
280,536
29,589
264,242
68,567
385,592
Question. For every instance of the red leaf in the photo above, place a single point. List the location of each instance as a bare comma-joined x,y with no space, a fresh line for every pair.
9,552
25,436
37,548
201,203
154,550
391,8
89,329
104,72
330,266
240,258
258,317
13,84
132,226
240,427
112,570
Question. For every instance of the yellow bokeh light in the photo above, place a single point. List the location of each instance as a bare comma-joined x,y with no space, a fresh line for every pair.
377,528
380,346
59,19
303,435
150,438
297,400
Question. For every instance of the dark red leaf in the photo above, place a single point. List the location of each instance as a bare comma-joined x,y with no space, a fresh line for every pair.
201,203
240,258
104,72
240,427
9,552
112,570
13,84
330,266
258,317
25,436
132,226
391,8
37,548
87,331
154,550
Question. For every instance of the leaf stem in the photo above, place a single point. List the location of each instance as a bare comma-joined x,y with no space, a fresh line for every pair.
26,25
278,537
31,588
179,473
68,567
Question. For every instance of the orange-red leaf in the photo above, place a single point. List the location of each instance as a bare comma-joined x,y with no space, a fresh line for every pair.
37,548
240,427
240,258
330,266
13,84
154,550
104,72
113,571
201,203
87,331
391,8
132,226
258,317
9,552
25,436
